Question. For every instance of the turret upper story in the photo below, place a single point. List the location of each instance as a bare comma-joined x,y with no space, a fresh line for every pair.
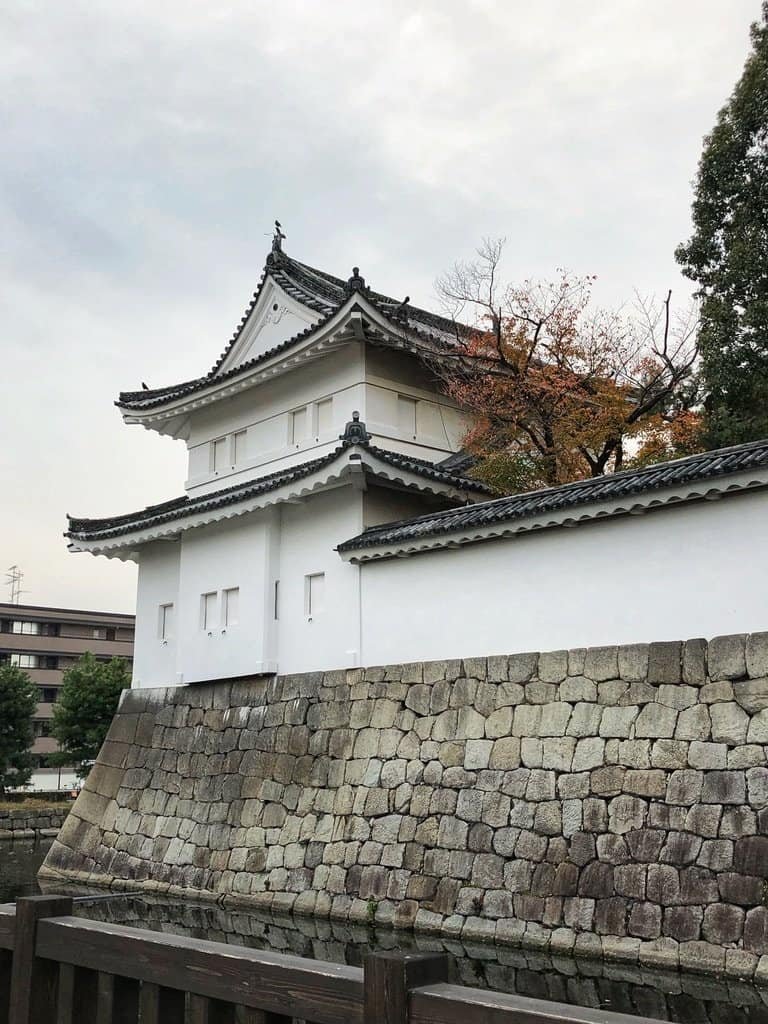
310,350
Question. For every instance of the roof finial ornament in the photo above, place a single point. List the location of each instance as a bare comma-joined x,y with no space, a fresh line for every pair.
356,283
355,432
401,310
277,237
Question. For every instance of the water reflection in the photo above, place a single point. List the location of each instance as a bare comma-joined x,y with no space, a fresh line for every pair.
688,998
20,860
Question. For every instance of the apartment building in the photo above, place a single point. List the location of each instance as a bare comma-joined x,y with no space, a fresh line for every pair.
45,642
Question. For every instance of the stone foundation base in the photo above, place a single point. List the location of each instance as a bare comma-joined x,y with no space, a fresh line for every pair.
606,802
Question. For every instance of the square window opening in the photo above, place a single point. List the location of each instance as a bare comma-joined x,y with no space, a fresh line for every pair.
208,604
230,611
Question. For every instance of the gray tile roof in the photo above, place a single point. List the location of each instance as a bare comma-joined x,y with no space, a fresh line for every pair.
178,508
317,290
706,466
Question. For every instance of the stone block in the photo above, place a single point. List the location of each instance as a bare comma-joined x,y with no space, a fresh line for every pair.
578,913
522,667
703,820
744,890
635,753
729,723
715,693
694,723
726,657
566,880
607,781
684,787
596,880
518,875
583,848
610,916
645,921
656,721
726,787
601,663
557,753
737,822
633,662
683,923
702,957
527,720
572,817
576,658
478,754
548,818
589,754
757,730
677,696
618,722
577,688
452,833
652,783
756,653
531,752
680,848
751,856
716,854
697,886
757,786
663,884
626,813
499,723
707,755
629,880
723,924
595,814
695,662
645,844
752,694
665,662
756,931
505,754
554,719
612,849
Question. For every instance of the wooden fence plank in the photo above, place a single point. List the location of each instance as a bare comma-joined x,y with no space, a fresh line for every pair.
389,977
454,1004
125,1005
210,1011
7,925
6,962
34,980
77,995
315,991
149,1003
105,997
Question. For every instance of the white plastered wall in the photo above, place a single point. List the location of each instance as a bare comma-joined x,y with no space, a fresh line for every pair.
311,530
154,659
693,570
237,554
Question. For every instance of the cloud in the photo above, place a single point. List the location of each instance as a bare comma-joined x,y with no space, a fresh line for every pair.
148,147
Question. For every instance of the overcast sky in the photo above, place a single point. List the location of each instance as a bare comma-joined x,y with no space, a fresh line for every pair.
146,148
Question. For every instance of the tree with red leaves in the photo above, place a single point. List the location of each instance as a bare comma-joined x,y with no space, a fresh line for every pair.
558,391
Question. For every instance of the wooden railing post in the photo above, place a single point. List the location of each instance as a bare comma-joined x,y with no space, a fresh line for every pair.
388,978
34,981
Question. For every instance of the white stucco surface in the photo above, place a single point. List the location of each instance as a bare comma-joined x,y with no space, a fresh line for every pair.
686,571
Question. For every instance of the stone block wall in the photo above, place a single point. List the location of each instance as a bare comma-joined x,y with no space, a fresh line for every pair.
609,801
25,823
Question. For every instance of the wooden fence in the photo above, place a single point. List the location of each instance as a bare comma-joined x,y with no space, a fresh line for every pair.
60,969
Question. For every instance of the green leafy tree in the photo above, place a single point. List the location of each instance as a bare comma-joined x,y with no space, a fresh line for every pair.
87,704
18,700
727,255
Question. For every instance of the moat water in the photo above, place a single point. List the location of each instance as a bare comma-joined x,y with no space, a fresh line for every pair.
665,995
